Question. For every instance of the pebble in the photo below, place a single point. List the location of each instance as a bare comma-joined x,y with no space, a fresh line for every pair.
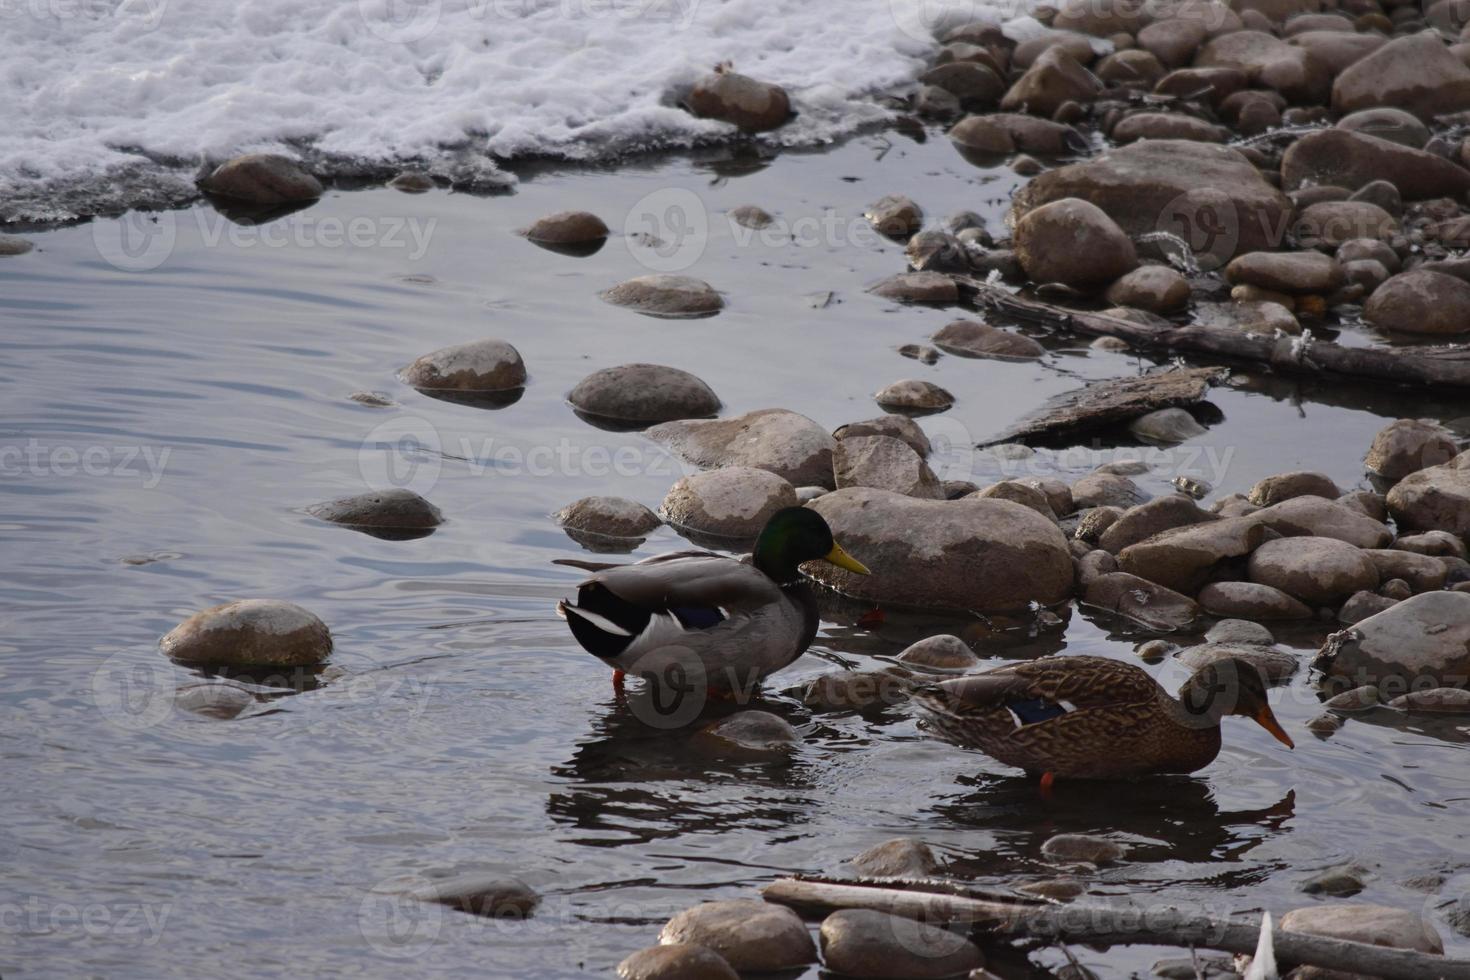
372,399
752,936
567,228
1275,665
412,183
895,216
751,216
14,245
250,632
968,338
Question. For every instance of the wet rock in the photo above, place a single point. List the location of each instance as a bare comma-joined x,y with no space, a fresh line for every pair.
1213,84
1106,490
1020,493
972,554
1253,316
1322,518
615,517
855,690
1054,78
1408,445
785,443
1163,185
974,85
642,394
897,426
751,216
933,102
1318,571
1155,288
13,245
732,502
1367,273
1436,498
1005,133
1357,699
1154,651
480,366
922,353
1095,522
1056,889
1367,503
884,462
937,251
1104,404
1328,224
1353,159
1073,242
1275,666
372,399
752,936
1182,559
567,228
1434,543
1420,302
914,397
1239,631
666,296
1058,494
1093,565
1143,601
748,734
1396,589
918,287
752,105
1422,639
1166,427
895,216
944,652
1335,50
1173,42
1361,605
955,489
1083,848
409,182
1381,193
866,943
1341,882
680,961
481,893
805,494
1376,925
1387,123
1196,967
1148,519
214,699
251,632
1250,600
1287,272
1421,572
397,509
1414,73
901,857
1435,700
1271,63
262,178
1167,126
1133,68
1099,20
969,338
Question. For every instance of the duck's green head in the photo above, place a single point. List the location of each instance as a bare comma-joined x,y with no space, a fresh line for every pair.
795,535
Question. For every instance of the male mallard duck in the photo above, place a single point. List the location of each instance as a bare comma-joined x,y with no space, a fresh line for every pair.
1095,718
734,622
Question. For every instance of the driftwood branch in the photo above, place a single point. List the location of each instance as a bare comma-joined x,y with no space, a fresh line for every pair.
1111,924
1446,367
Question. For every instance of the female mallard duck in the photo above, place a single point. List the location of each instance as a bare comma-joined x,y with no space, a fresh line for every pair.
1094,718
732,622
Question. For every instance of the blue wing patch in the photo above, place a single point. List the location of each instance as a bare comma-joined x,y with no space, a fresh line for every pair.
697,617
1035,710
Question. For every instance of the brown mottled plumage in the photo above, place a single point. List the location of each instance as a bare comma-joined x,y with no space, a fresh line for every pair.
1095,718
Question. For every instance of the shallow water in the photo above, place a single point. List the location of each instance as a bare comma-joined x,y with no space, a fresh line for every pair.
163,430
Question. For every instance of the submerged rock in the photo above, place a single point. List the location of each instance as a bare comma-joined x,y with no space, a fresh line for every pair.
1239,631
383,510
481,893
944,652
615,517
895,216
785,443
1143,601
749,734
856,690
901,857
732,502
214,699
666,296
970,554
1166,427
968,338
677,961
1275,666
914,397
918,287
1083,848
567,228
262,178
642,394
867,943
751,216
752,936
752,105
1422,640
252,632
481,366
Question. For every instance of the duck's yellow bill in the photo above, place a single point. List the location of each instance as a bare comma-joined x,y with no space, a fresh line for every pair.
1268,721
842,559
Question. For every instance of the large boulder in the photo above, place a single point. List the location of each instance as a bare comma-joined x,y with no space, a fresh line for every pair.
975,553
1182,559
1318,571
1434,499
1416,73
1270,62
1407,446
1211,196
1073,242
1419,643
250,632
1420,301
787,444
1353,159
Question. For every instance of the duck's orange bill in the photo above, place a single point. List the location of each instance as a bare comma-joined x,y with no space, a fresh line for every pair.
842,559
1268,721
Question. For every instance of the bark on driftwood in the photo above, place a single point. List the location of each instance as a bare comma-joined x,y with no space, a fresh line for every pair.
1112,402
1109,924
1446,367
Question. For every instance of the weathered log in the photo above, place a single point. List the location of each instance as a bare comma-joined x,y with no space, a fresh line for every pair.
1111,924
1446,366
1111,402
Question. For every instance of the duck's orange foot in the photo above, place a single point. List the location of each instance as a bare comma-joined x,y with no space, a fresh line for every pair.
1048,780
618,677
